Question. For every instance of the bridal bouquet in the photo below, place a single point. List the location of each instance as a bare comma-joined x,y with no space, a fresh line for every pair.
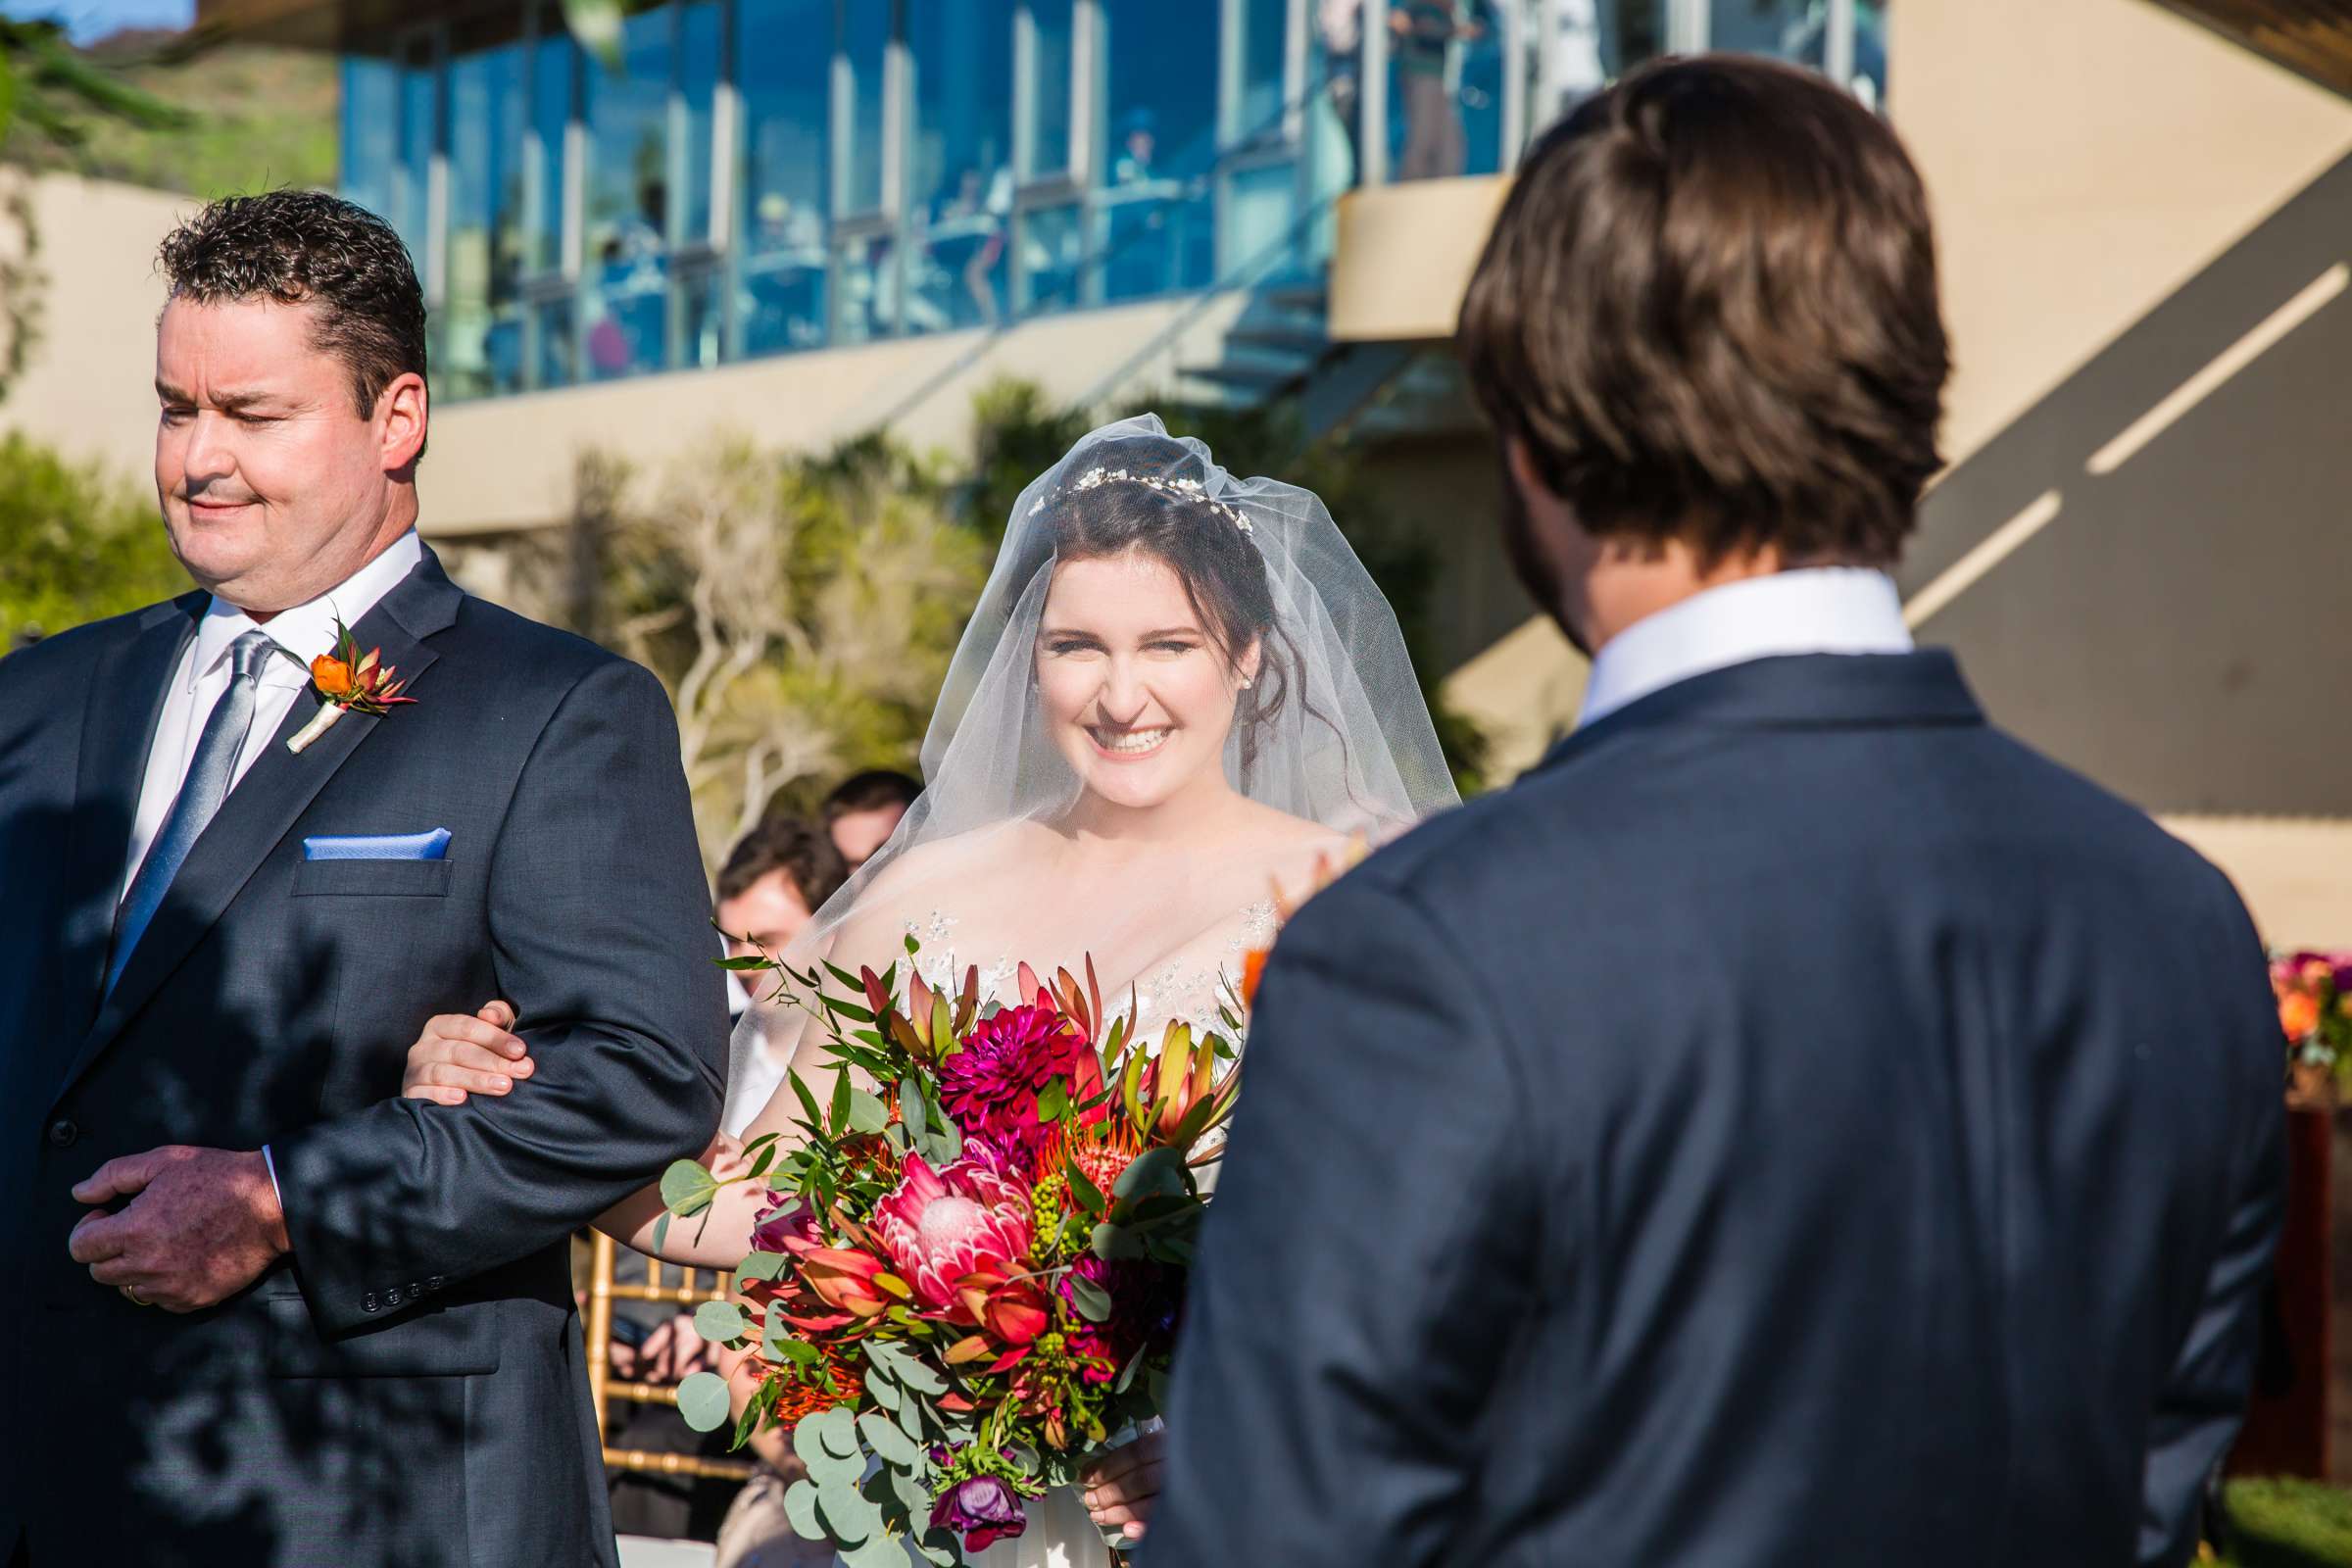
967,1287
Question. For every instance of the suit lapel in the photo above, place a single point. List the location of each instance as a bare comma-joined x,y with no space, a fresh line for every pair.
127,692
268,801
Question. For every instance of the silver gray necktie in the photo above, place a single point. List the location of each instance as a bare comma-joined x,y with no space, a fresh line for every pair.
200,796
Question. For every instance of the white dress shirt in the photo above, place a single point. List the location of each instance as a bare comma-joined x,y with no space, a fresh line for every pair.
1826,609
302,633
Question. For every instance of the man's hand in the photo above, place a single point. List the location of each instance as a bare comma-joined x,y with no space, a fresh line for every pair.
671,1351
1123,1486
202,1225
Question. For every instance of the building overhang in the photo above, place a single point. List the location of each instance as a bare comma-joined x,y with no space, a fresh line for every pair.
2311,38
1402,256
345,26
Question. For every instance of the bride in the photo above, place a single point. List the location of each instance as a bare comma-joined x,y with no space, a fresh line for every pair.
1179,690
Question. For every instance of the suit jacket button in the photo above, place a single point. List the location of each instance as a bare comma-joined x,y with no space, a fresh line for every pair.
367,1302
392,1295
63,1133
434,1284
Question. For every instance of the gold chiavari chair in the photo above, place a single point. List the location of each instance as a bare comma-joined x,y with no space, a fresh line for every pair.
604,1388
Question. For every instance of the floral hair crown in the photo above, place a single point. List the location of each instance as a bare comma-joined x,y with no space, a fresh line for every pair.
1181,489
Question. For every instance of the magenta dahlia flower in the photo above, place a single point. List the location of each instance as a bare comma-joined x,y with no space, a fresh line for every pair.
991,1086
938,1226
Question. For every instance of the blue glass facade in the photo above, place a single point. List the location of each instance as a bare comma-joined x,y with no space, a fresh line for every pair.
754,177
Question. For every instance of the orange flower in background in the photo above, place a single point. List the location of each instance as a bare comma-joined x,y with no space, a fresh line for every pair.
1254,966
2298,1013
331,673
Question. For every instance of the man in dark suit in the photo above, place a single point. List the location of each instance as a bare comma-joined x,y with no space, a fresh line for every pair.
264,1311
1795,1123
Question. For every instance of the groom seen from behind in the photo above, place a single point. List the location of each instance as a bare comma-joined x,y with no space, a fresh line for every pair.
1795,1123
263,1311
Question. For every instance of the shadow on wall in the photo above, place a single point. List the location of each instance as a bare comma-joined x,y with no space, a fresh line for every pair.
2146,573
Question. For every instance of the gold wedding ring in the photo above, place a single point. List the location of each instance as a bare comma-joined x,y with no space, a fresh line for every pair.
134,1297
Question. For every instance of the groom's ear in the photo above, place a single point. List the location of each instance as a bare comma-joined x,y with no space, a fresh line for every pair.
401,410
1542,503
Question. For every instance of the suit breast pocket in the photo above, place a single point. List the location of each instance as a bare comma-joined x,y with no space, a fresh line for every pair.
427,879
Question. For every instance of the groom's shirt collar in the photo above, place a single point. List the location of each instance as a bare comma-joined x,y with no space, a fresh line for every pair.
309,629
1826,609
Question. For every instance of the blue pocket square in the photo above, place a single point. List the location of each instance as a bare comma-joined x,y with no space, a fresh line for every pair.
433,846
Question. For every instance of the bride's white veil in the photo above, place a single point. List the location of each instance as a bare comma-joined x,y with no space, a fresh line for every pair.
1332,731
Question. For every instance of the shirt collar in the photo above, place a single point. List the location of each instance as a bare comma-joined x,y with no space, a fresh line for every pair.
1824,610
309,629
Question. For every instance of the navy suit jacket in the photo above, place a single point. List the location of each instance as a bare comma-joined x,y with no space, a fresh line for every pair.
1795,1125
407,1386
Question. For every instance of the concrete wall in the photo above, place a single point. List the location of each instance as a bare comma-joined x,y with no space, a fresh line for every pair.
89,389
505,464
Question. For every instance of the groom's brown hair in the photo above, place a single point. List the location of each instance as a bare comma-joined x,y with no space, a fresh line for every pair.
1708,311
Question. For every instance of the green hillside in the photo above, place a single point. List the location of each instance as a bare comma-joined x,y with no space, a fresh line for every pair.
263,116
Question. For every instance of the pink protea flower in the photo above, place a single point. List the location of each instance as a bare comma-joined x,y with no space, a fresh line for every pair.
940,1226
991,1086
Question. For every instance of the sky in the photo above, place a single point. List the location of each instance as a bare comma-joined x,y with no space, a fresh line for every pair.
91,19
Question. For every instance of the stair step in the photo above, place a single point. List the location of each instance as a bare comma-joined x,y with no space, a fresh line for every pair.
1313,299
1247,374
1282,336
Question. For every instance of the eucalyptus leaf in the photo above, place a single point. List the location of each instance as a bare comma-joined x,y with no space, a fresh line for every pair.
879,1551
939,1547
1159,1169
720,1322
827,1471
1112,1243
1092,1300
835,1432
903,1365
661,1230
913,1494
910,1419
762,1266
846,1512
1127,1373
800,1507
703,1400
687,1188
867,1113
882,1434
887,1394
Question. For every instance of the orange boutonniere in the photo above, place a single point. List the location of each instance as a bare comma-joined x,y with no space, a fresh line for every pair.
348,681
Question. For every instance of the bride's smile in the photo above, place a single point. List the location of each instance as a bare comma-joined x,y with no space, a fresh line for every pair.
1137,692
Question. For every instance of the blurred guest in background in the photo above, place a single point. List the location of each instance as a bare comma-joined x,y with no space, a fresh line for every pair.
1341,26
772,883
863,810
1426,29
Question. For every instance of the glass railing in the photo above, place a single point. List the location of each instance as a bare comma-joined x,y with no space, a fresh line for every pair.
1463,85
